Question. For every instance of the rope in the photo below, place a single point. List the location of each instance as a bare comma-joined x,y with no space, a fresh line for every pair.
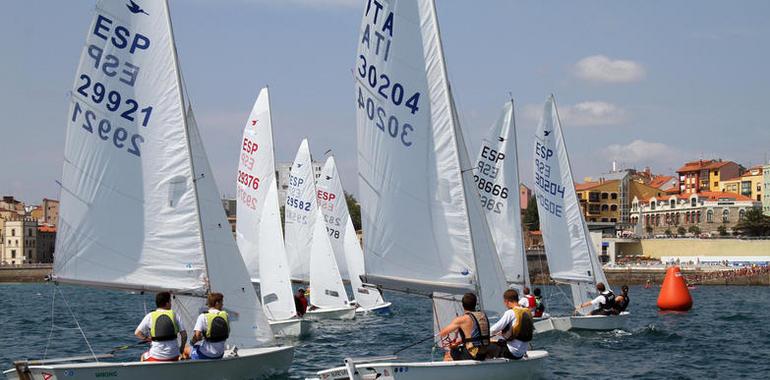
414,344
78,324
53,316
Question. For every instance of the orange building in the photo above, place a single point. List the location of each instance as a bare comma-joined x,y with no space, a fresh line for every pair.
697,176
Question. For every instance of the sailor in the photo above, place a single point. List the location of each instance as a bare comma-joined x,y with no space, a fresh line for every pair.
473,330
212,328
622,301
528,301
604,302
515,327
539,304
161,327
300,302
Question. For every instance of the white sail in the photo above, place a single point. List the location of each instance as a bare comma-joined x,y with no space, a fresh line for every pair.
227,273
571,256
139,207
326,287
497,179
299,213
128,216
424,230
342,234
260,238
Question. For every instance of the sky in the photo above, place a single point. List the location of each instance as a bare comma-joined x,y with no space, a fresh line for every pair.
642,83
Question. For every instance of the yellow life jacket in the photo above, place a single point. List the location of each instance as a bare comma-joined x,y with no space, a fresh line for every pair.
163,325
217,326
523,329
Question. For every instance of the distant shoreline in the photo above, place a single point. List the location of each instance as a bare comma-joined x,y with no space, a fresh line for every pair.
615,276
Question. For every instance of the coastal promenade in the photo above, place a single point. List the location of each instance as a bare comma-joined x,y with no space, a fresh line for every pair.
24,272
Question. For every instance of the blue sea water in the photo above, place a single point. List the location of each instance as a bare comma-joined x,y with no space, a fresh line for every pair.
726,335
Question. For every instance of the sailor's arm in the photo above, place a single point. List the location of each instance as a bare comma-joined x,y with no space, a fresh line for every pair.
183,337
451,327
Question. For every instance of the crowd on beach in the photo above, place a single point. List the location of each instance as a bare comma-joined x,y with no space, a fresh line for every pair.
746,271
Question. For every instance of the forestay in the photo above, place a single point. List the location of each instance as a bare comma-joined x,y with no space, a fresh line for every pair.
260,238
571,256
421,225
497,180
299,213
342,234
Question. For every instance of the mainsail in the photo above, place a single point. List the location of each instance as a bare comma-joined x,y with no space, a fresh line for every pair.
497,179
342,234
424,228
260,238
299,213
571,255
139,206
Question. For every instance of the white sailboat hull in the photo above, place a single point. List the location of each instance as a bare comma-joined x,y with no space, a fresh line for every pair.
491,369
383,308
331,313
251,363
589,322
290,328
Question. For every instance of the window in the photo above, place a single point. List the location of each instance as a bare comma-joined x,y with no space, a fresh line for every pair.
614,208
613,220
710,216
672,203
725,216
605,207
652,205
741,214
605,195
604,220
693,202
29,232
13,253
657,220
716,185
13,232
593,196
614,196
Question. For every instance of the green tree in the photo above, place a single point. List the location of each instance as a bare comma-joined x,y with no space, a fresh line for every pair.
531,217
680,231
722,230
354,209
695,230
754,223
668,232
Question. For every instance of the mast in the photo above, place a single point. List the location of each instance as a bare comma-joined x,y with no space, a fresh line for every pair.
525,266
175,57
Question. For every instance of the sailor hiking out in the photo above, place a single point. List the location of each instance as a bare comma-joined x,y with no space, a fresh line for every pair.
473,330
604,303
161,327
212,328
515,327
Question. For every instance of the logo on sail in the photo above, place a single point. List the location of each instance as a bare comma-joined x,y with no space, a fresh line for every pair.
546,133
135,8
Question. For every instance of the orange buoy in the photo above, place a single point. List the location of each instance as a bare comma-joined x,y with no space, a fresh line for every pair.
673,293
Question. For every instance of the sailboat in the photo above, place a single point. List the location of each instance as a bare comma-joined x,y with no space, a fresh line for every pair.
342,234
424,230
140,210
310,252
572,258
258,230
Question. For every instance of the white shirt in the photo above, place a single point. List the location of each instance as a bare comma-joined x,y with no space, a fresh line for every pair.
210,349
516,347
598,300
524,302
161,350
